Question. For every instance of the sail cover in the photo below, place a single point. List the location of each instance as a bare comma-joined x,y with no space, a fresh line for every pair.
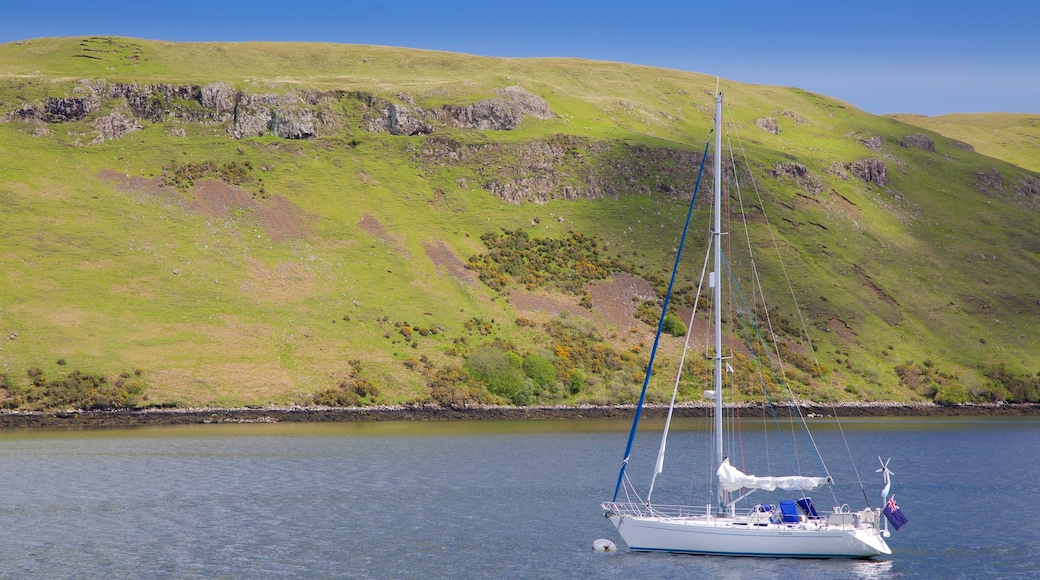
732,479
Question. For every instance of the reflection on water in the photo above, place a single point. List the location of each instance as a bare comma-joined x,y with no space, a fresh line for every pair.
509,499
873,569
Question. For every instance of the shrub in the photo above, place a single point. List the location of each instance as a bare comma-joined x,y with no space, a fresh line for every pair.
79,390
951,394
500,371
540,370
337,397
453,387
577,381
673,325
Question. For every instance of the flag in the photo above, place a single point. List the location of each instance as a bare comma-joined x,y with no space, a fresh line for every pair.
894,514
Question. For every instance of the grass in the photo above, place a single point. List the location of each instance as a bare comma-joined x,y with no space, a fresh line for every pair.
218,309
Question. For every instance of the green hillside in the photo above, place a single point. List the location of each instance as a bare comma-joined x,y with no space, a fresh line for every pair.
1010,137
229,224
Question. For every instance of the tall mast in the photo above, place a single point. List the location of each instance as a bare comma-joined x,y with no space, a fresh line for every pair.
717,294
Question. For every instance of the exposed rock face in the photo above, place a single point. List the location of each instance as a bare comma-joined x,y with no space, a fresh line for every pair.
989,182
870,170
293,123
502,113
963,146
401,122
495,114
769,125
567,167
797,118
1028,187
528,103
220,97
919,140
873,142
838,170
789,169
806,180
63,110
256,114
152,102
114,126
292,115
25,112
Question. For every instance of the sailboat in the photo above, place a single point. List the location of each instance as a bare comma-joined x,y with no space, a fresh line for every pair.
793,528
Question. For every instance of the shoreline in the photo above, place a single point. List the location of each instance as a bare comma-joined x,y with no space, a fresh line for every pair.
199,416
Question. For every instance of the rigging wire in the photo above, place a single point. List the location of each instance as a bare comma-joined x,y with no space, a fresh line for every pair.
805,333
660,325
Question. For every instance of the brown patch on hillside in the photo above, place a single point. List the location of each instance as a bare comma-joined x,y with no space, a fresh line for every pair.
846,206
444,258
617,299
529,302
279,217
842,329
142,187
370,224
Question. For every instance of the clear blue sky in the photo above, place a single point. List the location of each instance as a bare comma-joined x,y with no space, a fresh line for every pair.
883,56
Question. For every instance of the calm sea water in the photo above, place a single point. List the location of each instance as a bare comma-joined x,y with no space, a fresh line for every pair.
469,500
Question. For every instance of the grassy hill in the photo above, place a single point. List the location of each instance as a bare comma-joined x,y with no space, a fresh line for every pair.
1010,137
274,223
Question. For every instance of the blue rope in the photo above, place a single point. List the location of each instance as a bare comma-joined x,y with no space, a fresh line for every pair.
660,325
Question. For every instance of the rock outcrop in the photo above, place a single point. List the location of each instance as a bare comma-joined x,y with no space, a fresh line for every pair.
873,142
401,122
114,126
919,140
502,113
63,110
769,125
567,167
291,115
800,173
870,170
989,182
1029,188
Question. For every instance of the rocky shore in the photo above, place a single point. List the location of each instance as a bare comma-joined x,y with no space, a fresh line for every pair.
146,417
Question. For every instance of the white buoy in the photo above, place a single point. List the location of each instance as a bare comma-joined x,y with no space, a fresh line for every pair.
602,545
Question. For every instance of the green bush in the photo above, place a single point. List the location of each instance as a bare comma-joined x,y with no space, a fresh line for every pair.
577,381
87,391
353,391
540,370
951,394
452,386
673,325
500,371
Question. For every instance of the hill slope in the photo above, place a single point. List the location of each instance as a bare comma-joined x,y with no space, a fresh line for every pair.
229,224
1010,137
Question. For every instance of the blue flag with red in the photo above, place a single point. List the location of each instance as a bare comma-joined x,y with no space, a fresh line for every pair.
894,515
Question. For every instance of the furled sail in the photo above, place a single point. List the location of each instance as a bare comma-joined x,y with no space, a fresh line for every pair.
732,479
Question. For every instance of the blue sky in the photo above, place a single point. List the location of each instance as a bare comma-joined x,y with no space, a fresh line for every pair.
883,56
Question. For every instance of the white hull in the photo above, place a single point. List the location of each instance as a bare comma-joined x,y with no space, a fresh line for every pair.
722,536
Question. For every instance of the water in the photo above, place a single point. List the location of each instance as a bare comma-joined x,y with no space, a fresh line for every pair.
474,500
